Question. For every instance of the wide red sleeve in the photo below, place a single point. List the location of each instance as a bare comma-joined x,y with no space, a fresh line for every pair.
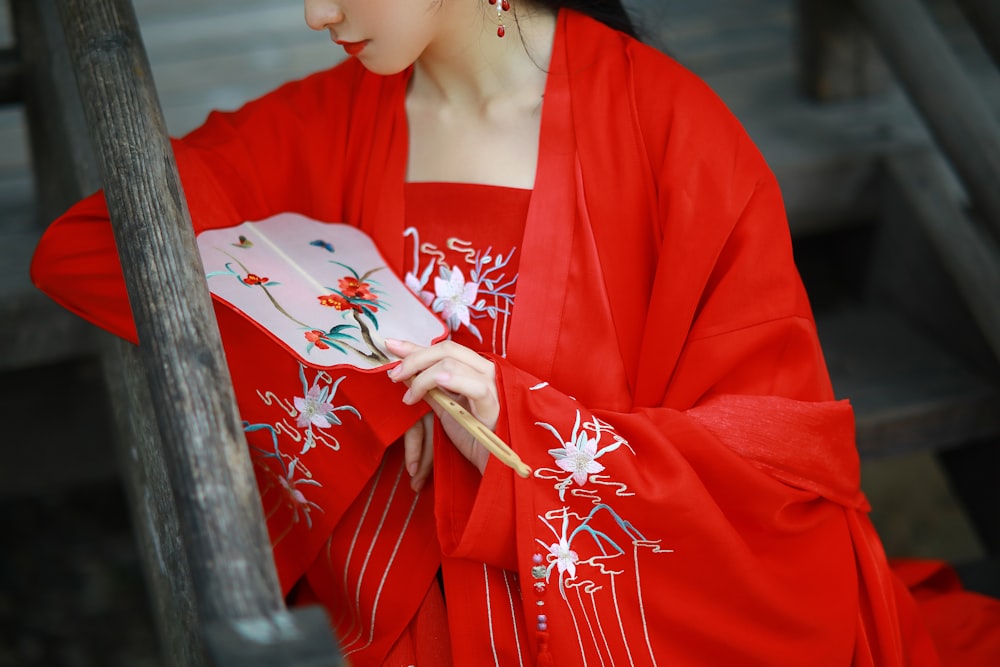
715,526
277,153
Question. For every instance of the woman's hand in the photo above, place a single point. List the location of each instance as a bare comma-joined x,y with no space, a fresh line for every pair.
467,376
418,450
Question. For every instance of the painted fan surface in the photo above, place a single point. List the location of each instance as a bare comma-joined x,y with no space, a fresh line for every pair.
322,290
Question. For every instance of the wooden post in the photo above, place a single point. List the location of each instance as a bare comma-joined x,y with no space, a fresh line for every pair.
191,391
962,123
66,170
220,522
837,59
153,508
63,164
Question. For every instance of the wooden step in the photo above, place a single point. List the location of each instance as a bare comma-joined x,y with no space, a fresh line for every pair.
33,329
909,394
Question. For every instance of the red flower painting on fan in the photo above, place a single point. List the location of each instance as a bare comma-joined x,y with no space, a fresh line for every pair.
299,279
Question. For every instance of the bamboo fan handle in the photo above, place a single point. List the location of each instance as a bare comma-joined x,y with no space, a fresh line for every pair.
478,430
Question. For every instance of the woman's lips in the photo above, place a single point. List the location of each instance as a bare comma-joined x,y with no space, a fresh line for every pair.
353,48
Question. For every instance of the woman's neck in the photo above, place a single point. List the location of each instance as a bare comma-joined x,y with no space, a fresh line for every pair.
469,67
475,100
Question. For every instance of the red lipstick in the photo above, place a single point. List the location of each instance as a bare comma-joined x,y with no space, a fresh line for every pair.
353,48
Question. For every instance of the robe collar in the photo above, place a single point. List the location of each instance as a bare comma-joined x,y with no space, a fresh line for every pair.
566,195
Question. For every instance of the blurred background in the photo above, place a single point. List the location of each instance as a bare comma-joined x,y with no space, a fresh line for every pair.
832,120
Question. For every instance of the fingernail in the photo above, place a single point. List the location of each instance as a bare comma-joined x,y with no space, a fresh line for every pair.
408,398
394,371
412,468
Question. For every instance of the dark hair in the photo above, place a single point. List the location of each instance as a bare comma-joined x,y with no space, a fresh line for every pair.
609,12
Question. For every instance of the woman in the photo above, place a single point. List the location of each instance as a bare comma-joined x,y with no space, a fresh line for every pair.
610,254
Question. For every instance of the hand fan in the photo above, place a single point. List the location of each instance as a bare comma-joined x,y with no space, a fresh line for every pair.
325,294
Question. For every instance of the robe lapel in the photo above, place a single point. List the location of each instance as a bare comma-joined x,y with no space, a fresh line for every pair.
582,117
379,148
548,234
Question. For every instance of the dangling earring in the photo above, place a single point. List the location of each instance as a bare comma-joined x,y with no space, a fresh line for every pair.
503,6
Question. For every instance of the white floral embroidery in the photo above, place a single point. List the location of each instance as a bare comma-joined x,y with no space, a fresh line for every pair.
565,559
579,453
593,549
486,298
454,297
313,410
316,408
416,285
299,500
579,458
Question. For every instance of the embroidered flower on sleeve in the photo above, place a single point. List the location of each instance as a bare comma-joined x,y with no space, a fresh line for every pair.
454,297
578,457
299,502
564,558
314,409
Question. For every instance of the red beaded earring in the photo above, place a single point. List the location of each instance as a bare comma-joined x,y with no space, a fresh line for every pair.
503,6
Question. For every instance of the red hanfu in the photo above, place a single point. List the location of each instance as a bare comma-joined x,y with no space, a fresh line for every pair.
696,494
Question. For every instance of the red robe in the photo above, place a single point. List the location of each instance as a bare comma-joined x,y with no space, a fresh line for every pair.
696,494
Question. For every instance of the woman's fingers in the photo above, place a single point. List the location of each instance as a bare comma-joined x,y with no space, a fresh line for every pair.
418,451
451,367
467,376
478,390
416,358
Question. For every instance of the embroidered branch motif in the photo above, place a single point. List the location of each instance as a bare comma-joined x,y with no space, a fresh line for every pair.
251,279
308,419
291,487
564,558
591,547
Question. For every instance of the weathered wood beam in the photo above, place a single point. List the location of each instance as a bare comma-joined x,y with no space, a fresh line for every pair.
11,90
61,159
65,171
836,57
191,391
909,393
984,16
971,256
204,454
962,123
153,508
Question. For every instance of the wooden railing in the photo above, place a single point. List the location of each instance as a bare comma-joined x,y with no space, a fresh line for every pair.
968,133
962,123
195,504
984,16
